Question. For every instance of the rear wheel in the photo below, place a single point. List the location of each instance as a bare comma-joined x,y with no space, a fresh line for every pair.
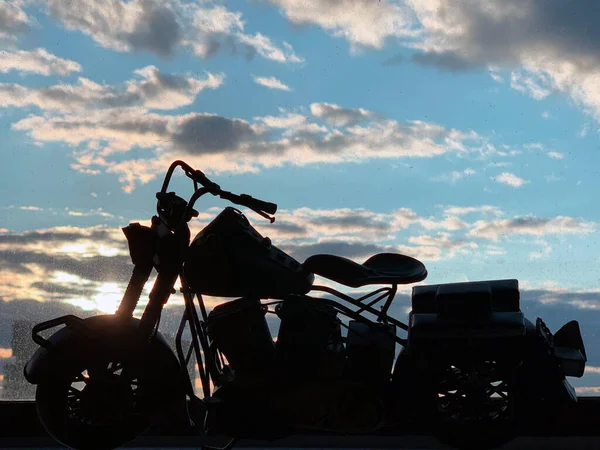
475,405
103,406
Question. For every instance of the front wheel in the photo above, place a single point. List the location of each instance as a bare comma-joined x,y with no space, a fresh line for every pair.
101,407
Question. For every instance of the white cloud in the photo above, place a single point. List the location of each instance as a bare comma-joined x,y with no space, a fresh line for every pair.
267,49
537,85
556,155
455,176
152,89
544,252
271,83
38,61
463,210
363,23
510,179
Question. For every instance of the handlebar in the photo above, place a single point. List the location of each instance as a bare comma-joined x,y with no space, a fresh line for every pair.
259,206
250,202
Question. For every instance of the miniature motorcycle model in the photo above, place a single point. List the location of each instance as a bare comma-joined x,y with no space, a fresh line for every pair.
471,368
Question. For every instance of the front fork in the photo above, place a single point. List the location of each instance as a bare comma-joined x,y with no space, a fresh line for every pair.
152,247
156,247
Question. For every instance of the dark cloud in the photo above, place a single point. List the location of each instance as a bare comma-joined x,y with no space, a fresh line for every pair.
444,60
531,225
338,116
502,31
155,89
352,250
13,19
66,290
395,60
94,268
54,236
353,221
156,28
205,134
156,31
288,228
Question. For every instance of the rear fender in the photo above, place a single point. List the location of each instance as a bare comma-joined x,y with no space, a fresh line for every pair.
569,349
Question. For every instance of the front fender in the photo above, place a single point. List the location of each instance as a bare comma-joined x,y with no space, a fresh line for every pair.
105,336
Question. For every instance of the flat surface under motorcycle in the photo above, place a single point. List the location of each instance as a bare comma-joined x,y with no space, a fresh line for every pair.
383,268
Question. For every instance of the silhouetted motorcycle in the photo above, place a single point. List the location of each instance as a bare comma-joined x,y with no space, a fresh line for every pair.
471,369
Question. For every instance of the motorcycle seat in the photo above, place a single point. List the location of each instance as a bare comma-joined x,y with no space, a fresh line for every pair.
383,268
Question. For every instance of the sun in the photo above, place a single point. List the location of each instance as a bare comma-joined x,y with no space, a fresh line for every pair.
108,297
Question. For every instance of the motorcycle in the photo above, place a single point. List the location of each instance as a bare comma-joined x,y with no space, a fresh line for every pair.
471,369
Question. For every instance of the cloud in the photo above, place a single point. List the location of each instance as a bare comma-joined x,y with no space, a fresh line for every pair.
353,250
395,60
455,176
164,27
530,225
271,83
13,20
537,85
443,60
122,26
363,23
463,210
556,155
544,252
38,61
267,49
510,179
444,241
337,116
206,134
549,46
212,139
151,89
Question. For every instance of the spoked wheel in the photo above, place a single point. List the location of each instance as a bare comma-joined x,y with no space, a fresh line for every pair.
475,405
102,407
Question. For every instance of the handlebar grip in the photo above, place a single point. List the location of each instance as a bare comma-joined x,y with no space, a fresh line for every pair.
260,205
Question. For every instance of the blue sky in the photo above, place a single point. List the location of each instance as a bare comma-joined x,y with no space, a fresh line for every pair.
463,133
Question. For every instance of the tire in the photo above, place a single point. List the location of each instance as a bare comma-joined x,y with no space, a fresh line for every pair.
98,409
475,406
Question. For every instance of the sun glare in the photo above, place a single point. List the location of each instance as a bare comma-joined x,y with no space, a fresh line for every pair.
64,277
77,249
106,300
108,297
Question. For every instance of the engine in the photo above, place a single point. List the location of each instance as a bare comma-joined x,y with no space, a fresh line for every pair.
318,376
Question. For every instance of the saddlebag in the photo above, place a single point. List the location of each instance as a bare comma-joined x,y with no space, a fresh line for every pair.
309,343
370,352
482,309
240,331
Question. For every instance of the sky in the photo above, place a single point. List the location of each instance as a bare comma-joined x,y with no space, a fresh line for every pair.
463,133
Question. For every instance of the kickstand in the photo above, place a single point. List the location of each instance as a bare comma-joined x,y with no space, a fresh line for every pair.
229,446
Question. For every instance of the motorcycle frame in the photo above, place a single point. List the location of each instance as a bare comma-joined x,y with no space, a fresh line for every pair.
209,360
